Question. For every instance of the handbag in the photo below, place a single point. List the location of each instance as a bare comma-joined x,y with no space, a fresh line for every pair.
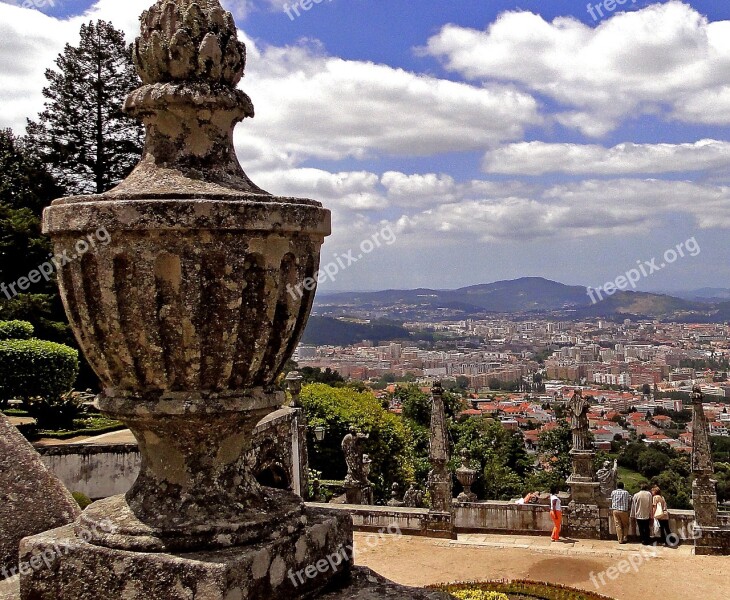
656,530
660,513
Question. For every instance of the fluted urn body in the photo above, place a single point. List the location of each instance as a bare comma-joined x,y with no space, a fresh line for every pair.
466,477
201,294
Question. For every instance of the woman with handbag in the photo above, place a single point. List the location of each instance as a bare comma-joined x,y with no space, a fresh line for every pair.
660,513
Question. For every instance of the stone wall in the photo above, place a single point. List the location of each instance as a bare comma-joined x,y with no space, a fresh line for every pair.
103,470
502,517
97,471
408,521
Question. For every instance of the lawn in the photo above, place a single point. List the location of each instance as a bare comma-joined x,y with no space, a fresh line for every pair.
632,480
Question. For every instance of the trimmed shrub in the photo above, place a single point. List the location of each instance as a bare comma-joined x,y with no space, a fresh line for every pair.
41,374
15,330
31,368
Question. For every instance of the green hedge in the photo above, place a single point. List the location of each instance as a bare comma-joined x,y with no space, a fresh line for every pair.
15,330
35,368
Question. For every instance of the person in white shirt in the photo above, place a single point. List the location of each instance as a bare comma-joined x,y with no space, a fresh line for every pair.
642,510
556,513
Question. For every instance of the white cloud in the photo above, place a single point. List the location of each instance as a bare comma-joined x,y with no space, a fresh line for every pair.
539,158
640,62
583,210
313,105
346,191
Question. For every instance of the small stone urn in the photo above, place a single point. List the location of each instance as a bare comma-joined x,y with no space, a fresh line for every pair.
190,312
466,476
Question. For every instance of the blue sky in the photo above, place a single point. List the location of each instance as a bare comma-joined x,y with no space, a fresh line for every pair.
496,139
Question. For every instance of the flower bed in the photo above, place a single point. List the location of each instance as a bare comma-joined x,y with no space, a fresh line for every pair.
516,590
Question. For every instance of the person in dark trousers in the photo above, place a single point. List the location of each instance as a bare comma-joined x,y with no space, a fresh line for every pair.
661,514
642,510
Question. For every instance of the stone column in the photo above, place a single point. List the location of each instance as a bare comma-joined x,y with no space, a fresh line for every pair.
187,316
440,485
301,450
704,487
710,538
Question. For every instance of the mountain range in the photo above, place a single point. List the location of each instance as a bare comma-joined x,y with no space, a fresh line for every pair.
526,297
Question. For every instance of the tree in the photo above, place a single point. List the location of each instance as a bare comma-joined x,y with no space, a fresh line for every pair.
26,187
462,382
554,447
417,404
317,375
89,143
497,453
338,409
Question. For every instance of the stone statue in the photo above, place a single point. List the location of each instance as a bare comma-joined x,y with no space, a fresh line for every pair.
578,411
395,500
352,446
316,491
608,477
413,497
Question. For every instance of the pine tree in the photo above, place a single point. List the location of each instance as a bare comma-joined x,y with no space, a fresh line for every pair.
83,135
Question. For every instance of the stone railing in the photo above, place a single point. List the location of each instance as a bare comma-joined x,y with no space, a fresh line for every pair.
485,517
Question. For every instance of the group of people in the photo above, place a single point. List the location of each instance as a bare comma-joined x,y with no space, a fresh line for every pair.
650,511
647,507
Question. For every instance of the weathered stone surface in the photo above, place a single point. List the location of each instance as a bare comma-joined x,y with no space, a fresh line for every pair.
578,410
10,588
358,490
366,585
291,563
32,499
439,478
713,541
704,486
466,476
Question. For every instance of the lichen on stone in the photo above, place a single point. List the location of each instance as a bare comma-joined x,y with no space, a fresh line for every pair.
189,40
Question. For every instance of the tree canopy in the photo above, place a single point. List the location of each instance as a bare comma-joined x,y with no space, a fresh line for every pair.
83,134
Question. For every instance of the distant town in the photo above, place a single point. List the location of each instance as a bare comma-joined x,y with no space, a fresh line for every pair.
640,374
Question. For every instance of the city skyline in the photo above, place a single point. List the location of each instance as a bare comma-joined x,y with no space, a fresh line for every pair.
496,142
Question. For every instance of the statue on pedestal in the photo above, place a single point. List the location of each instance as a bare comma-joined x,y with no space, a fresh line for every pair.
358,489
578,410
352,447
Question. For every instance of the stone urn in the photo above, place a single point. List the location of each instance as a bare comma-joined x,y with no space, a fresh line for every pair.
190,312
466,477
